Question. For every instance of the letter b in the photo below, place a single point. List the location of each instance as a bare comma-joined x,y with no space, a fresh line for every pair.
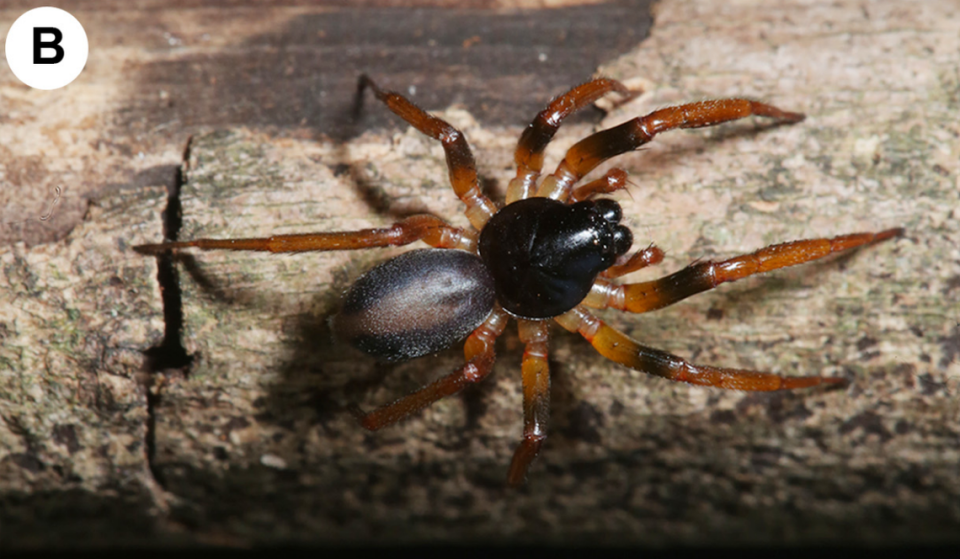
39,44
46,48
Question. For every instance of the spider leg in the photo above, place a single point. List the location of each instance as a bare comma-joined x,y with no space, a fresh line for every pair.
586,154
534,140
536,398
702,276
427,228
618,347
460,162
479,354
614,180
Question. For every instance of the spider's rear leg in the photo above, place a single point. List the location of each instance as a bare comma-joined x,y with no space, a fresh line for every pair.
618,347
479,355
593,150
703,276
427,228
460,162
529,153
536,398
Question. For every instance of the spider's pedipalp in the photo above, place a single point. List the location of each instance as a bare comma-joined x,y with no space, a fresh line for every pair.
639,260
612,181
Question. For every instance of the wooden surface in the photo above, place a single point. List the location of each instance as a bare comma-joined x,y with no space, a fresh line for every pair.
250,444
159,71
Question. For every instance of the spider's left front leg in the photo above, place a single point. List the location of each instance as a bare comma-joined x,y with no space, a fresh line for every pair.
536,398
620,348
593,150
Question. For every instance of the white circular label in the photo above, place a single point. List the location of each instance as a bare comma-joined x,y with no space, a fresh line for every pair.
47,48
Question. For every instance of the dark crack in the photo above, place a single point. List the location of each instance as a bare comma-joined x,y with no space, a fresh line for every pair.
169,354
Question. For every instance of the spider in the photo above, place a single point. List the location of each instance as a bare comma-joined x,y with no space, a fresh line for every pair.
548,254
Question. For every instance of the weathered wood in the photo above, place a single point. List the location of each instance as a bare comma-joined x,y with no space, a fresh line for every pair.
74,317
161,70
253,444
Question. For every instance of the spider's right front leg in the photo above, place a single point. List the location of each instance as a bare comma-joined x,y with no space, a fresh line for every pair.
652,295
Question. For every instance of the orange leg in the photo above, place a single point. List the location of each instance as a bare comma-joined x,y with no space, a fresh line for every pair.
479,355
431,230
586,154
460,162
703,276
618,347
536,398
614,180
639,260
534,140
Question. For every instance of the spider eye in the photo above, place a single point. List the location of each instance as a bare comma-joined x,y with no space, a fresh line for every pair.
622,239
608,210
